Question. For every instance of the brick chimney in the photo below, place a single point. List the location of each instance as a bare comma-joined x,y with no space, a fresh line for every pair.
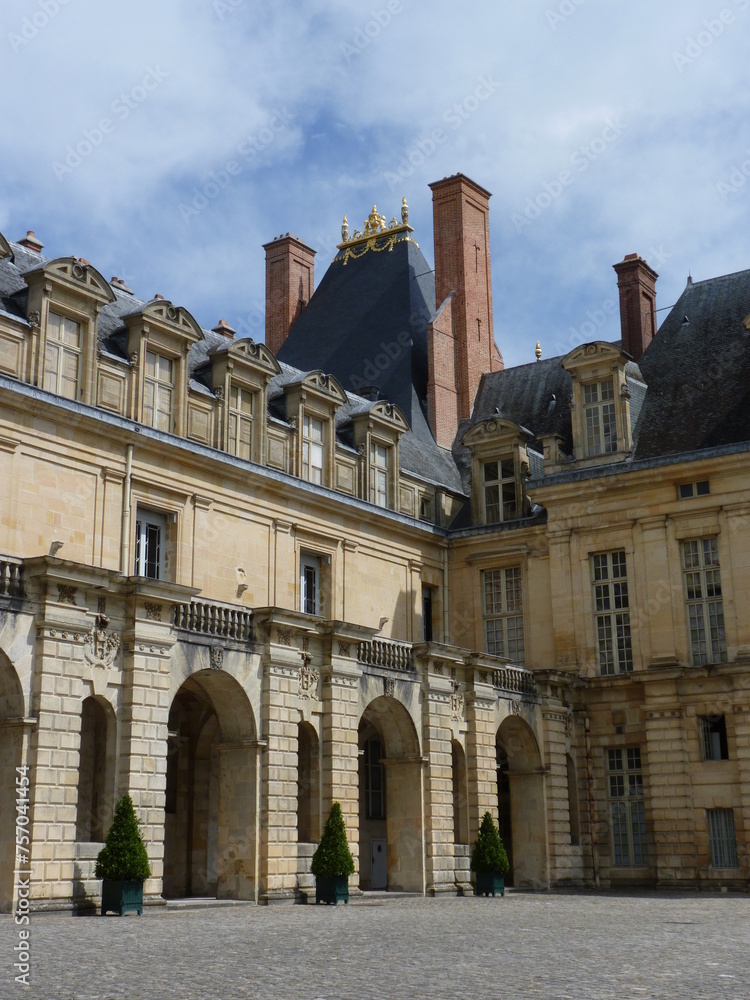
31,242
460,211
290,281
636,282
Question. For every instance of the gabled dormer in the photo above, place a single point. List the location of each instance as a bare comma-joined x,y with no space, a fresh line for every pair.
240,373
377,430
600,406
311,403
499,470
159,338
64,301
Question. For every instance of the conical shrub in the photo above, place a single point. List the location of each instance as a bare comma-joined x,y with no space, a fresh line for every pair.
488,853
123,857
333,857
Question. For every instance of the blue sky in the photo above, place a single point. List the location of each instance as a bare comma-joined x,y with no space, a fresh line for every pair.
166,142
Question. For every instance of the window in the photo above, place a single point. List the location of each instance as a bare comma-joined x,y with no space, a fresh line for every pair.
611,612
150,532
62,356
427,605
503,617
714,743
374,780
240,422
721,838
309,585
705,610
626,807
500,491
378,474
701,489
599,416
312,450
158,392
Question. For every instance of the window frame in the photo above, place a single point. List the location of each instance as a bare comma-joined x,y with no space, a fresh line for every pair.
713,737
596,407
379,473
159,387
498,616
613,638
63,351
239,420
146,519
310,572
374,796
629,818
311,471
499,484
722,838
710,602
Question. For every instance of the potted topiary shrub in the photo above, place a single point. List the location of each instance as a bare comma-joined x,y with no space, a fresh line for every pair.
123,862
332,863
488,859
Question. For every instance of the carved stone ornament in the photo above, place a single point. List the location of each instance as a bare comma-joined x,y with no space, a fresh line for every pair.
219,392
35,318
438,667
134,358
308,682
66,594
457,706
515,708
389,687
100,646
483,676
217,658
284,636
153,612
345,649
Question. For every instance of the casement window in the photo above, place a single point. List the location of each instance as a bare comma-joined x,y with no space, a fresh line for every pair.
700,489
240,429
503,613
626,808
721,838
150,538
62,357
713,732
600,417
500,493
312,449
378,474
374,780
703,601
309,585
609,580
158,392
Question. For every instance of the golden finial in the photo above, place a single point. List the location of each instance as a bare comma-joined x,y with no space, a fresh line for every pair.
404,211
538,351
344,230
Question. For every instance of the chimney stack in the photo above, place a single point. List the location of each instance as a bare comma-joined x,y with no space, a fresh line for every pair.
460,210
290,281
636,282
31,242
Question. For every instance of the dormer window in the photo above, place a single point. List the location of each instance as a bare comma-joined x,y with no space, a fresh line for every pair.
158,392
62,356
378,474
600,418
312,449
240,440
500,493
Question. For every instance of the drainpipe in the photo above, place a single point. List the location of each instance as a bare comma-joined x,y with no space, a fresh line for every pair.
423,764
446,618
125,537
592,807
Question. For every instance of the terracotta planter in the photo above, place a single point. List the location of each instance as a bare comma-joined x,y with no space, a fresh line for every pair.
122,897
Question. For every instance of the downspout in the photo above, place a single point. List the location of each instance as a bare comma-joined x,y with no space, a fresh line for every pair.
592,808
125,537
423,764
446,609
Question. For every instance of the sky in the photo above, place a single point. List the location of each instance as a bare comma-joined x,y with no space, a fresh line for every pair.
167,141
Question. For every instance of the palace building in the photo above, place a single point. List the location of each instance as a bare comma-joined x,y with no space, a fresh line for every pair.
364,562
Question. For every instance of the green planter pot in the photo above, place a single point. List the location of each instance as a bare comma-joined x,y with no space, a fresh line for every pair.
122,897
331,890
490,883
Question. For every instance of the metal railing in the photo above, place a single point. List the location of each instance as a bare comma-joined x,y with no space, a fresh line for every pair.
386,653
11,577
226,621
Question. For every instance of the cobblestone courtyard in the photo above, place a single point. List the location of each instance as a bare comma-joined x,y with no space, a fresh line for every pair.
561,947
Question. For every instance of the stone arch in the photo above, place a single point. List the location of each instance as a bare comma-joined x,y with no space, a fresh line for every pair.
390,798
210,823
11,741
96,769
521,802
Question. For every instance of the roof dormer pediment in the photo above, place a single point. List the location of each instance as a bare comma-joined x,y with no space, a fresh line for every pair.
74,276
599,352
5,250
492,430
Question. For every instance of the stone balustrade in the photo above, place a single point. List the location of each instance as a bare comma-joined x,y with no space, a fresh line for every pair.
386,653
11,577
517,680
226,621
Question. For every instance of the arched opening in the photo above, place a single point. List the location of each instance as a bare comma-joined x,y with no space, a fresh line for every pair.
209,836
308,785
11,711
520,790
460,811
96,770
390,799
573,809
